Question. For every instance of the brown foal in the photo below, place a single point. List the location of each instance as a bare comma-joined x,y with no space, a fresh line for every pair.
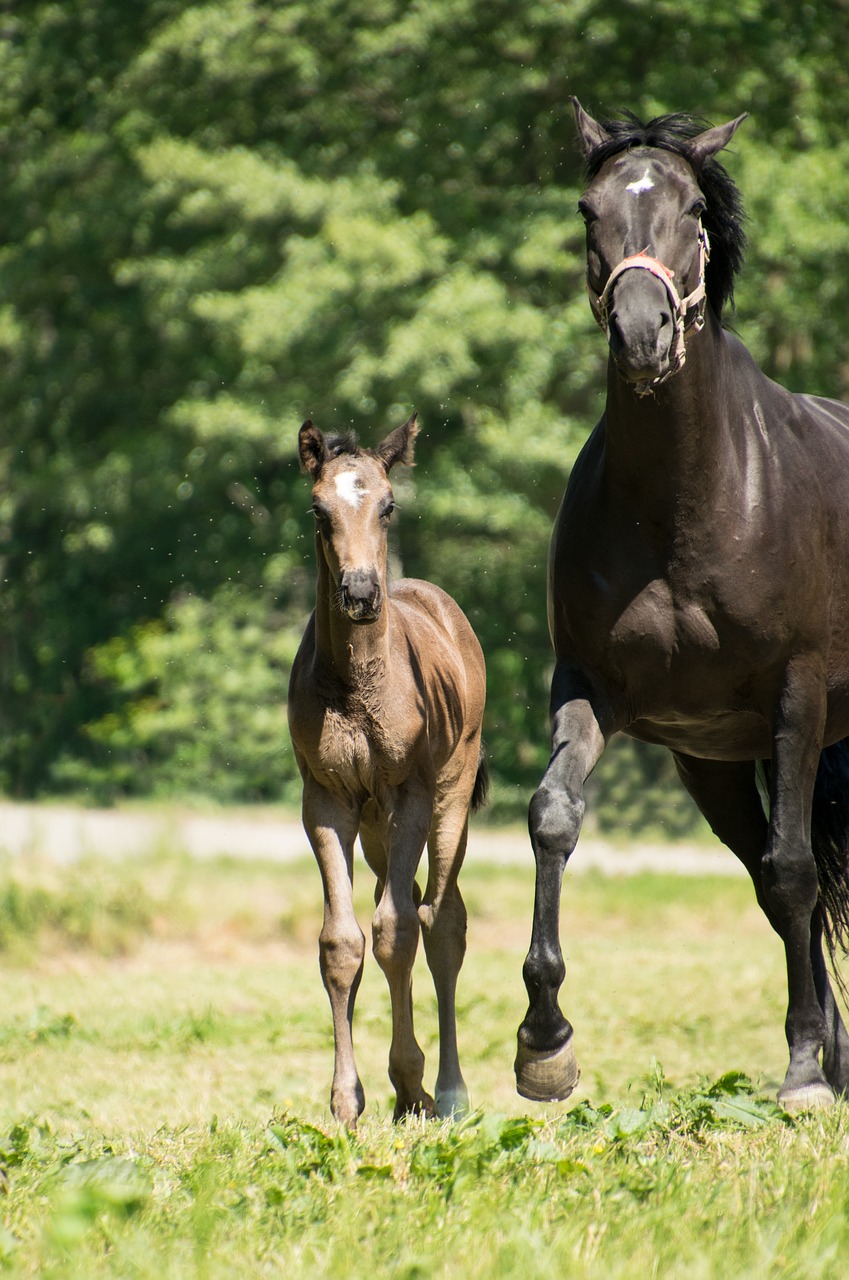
385,707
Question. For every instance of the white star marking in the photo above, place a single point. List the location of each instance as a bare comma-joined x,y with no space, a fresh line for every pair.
642,184
350,488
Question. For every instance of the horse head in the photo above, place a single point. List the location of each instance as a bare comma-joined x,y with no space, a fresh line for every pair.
352,502
647,245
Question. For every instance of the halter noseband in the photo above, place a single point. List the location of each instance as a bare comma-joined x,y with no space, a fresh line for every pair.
600,304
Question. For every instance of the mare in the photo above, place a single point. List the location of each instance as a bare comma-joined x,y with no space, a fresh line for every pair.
386,701
699,587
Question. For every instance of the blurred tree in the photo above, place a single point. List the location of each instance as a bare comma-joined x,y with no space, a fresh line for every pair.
223,217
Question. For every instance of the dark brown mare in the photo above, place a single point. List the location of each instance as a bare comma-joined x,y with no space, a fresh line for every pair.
699,586
385,707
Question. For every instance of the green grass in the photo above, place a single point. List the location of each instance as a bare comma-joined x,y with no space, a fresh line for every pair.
165,1062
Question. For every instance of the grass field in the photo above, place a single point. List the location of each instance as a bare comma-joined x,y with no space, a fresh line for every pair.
165,1062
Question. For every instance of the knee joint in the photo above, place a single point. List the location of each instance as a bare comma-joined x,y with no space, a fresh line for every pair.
554,819
394,933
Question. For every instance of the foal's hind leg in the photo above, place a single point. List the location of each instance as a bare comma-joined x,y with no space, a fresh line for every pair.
728,797
395,935
332,827
443,918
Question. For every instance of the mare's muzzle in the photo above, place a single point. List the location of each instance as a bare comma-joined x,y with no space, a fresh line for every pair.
360,595
640,330
647,338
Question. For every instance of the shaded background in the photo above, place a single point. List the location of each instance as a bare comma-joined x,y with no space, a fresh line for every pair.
219,219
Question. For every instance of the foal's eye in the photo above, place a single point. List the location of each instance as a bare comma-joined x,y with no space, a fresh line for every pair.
386,511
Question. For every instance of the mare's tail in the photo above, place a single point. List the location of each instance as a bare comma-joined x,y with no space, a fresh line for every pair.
481,788
830,841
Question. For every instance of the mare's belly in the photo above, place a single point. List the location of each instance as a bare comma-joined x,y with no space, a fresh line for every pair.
718,735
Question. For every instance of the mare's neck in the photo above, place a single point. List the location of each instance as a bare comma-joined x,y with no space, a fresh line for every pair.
676,444
345,650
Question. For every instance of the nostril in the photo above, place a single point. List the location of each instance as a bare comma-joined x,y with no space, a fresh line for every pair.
665,319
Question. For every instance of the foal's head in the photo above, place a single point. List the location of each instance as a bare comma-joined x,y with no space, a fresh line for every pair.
352,503
654,191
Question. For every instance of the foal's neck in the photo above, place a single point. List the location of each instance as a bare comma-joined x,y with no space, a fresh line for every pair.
350,652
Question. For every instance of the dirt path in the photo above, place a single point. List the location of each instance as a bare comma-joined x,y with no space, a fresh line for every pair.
64,833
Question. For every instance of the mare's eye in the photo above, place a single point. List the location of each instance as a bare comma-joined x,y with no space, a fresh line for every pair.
697,208
586,212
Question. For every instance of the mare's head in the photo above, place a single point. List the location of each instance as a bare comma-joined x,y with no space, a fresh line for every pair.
664,235
352,503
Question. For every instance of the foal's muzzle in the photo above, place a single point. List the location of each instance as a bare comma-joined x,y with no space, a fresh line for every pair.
360,595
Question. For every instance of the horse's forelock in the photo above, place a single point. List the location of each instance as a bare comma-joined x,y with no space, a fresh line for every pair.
724,216
344,442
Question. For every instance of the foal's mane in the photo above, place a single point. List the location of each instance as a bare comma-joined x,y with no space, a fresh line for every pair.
344,442
724,216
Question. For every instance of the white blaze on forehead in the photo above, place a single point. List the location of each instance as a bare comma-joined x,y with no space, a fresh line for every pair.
641,184
350,487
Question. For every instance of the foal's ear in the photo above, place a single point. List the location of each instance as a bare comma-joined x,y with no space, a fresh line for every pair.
312,449
705,145
590,133
399,444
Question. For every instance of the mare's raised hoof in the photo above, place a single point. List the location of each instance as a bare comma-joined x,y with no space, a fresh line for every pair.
546,1076
810,1097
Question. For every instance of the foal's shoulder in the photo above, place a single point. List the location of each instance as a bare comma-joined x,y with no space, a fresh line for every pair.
416,593
418,599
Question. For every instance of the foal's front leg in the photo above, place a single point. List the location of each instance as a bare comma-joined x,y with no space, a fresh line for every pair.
331,826
395,934
546,1066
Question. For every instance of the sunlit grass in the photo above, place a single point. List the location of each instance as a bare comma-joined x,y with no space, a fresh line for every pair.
164,1088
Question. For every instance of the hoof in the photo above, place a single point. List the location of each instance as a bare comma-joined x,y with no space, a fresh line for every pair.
810,1097
421,1106
452,1104
546,1076
347,1103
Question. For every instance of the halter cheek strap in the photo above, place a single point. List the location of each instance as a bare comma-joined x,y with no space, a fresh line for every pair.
694,301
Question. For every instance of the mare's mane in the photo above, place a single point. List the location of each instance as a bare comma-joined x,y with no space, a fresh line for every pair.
724,216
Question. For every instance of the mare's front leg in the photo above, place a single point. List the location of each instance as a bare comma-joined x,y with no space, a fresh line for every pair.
395,940
546,1067
790,883
331,826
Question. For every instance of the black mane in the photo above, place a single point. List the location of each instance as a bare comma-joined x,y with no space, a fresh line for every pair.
724,217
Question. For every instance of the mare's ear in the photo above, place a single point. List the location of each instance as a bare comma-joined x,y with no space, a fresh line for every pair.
705,145
399,444
312,449
590,133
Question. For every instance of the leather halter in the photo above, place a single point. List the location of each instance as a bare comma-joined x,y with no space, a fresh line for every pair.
600,304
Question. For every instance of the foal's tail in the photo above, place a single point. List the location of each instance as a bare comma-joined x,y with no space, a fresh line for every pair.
481,787
830,841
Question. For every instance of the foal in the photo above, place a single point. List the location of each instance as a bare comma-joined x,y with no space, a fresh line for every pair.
385,707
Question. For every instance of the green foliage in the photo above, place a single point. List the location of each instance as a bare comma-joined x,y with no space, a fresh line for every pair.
222,216
203,706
